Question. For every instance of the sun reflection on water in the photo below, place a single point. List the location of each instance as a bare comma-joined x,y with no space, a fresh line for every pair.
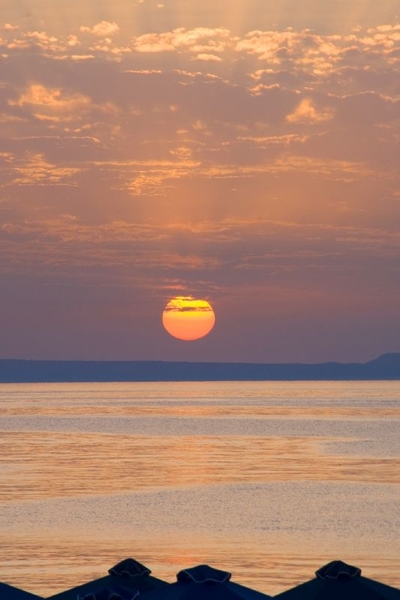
181,474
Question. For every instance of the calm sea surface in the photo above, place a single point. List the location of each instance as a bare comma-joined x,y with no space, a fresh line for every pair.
268,480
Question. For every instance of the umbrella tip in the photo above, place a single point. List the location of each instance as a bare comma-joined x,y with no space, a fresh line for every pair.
203,573
337,569
129,567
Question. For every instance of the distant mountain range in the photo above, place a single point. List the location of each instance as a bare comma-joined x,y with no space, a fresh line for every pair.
384,367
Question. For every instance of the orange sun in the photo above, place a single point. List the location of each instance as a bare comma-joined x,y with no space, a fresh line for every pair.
187,318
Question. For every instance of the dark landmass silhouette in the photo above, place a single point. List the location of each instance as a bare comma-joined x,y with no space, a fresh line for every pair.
385,367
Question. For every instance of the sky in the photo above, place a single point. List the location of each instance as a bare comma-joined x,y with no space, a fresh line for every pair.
244,152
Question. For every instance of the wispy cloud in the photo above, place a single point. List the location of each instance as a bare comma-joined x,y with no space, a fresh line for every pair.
170,159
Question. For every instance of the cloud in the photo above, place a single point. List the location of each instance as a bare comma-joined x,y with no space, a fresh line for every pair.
307,113
9,27
283,250
73,40
280,140
43,40
51,104
198,40
190,114
38,95
102,29
37,170
291,54
151,42
149,157
208,57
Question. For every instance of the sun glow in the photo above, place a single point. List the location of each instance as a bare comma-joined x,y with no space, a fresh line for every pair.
187,318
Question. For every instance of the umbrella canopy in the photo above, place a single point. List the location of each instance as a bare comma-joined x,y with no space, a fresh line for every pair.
8,592
205,583
128,575
337,580
114,593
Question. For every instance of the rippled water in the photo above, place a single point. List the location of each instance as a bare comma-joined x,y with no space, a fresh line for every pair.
268,480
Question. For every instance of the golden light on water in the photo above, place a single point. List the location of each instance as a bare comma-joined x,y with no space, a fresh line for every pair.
187,318
137,463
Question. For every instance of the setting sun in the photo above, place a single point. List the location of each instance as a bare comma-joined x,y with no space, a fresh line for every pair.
187,318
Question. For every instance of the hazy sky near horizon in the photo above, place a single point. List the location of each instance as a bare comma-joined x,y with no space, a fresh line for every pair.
244,152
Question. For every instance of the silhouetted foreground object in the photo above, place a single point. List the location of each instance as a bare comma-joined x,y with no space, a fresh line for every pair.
205,583
115,593
8,592
339,581
127,576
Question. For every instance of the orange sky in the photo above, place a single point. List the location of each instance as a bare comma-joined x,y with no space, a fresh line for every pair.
221,150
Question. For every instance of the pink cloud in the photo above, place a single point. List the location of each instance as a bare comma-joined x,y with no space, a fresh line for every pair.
102,29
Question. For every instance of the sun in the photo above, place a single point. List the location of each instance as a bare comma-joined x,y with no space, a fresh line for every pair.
187,318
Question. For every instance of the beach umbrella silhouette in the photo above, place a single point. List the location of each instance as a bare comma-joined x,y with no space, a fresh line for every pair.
115,593
128,575
9,592
339,581
205,583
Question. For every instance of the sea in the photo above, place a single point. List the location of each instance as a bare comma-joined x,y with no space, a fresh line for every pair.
266,480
